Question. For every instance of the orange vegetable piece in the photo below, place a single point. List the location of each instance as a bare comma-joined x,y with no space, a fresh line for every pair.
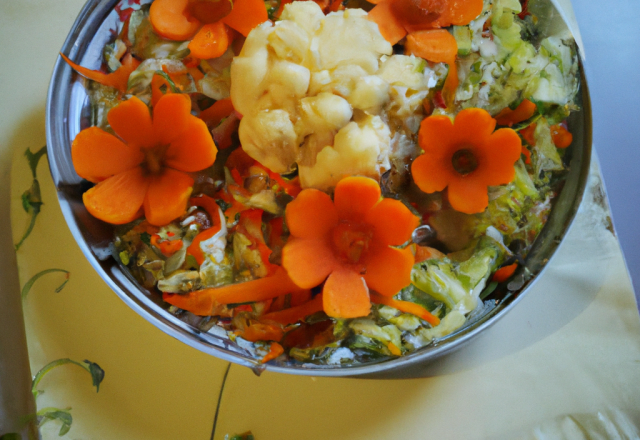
150,172
118,199
524,111
343,240
438,46
418,14
209,11
259,331
167,247
246,15
393,348
406,307
275,350
203,302
118,79
346,295
527,134
217,112
295,314
211,41
466,156
504,273
561,137
171,20
460,13
390,27
194,248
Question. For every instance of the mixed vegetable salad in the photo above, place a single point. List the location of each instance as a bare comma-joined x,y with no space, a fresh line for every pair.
332,181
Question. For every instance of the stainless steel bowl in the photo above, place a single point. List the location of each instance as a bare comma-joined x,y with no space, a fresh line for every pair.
68,113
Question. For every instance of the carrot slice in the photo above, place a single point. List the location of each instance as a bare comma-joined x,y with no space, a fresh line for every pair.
393,222
528,134
524,111
275,350
460,13
308,261
97,155
203,302
345,295
118,199
210,11
312,214
418,14
389,269
295,314
118,79
167,196
211,41
504,273
390,27
406,307
194,150
131,120
217,112
246,15
355,196
436,45
561,137
171,20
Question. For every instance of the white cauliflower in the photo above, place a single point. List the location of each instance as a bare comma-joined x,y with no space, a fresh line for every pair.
316,91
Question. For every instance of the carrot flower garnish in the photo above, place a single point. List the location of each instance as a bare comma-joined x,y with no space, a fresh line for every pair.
348,242
144,168
466,156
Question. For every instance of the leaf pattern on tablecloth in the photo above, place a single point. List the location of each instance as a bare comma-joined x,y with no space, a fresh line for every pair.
31,198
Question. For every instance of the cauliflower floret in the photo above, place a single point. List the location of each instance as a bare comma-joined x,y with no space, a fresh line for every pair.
310,89
348,38
360,148
268,136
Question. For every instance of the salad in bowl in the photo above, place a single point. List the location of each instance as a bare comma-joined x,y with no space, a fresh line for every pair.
325,184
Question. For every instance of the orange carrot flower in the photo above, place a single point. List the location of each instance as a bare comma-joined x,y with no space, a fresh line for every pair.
147,172
466,156
349,241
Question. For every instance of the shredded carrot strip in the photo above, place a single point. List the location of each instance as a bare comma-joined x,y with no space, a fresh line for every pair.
504,273
118,79
295,314
406,307
275,350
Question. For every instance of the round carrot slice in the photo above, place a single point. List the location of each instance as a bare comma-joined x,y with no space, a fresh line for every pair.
171,20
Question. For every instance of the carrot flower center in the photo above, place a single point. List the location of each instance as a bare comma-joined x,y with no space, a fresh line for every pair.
464,161
153,163
351,240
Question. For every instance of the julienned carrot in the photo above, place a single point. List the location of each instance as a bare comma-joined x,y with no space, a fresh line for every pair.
170,19
259,331
438,46
203,302
295,314
406,307
118,79
524,111
194,248
167,247
504,273
390,27
211,41
246,15
210,11
561,137
217,112
275,350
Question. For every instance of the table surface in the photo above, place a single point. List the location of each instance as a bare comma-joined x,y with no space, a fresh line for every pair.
571,346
